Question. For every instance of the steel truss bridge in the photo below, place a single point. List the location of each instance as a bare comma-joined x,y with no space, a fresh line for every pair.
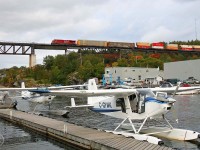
15,48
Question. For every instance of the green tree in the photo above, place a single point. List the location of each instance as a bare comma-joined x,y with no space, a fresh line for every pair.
48,62
86,71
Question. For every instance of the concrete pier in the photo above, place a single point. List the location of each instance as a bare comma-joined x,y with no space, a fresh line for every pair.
85,138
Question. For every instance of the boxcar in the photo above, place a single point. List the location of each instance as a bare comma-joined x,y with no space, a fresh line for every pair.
186,47
159,45
143,45
92,43
196,47
121,44
172,46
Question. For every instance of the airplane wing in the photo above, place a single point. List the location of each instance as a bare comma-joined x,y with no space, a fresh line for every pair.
172,89
38,88
108,92
90,93
16,89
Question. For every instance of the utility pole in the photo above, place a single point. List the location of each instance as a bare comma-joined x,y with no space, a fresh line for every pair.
196,28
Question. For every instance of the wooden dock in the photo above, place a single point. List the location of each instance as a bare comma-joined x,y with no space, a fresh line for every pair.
82,137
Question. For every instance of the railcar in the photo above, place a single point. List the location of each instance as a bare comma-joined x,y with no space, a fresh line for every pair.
143,45
63,42
91,43
172,46
121,44
186,47
158,45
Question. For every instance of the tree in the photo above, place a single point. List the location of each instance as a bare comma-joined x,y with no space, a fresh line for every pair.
55,75
86,71
48,62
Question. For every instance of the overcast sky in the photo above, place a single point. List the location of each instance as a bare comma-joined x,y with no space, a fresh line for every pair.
110,20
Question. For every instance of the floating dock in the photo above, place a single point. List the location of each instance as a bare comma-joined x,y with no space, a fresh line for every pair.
81,137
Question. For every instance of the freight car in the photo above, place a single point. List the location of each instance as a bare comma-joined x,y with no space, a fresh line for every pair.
121,44
63,42
158,45
143,45
196,47
186,47
91,43
172,46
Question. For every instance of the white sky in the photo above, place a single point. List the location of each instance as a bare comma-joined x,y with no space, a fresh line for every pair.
110,20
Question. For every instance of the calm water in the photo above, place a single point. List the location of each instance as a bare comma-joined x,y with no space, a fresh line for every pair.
18,138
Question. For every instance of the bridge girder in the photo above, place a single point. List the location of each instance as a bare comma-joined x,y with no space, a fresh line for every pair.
12,49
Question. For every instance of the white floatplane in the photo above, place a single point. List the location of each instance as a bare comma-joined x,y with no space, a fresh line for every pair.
131,105
33,95
167,86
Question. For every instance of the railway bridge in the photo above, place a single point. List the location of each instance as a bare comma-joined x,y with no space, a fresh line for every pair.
18,48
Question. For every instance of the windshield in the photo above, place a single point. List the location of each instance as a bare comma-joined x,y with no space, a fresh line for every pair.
146,92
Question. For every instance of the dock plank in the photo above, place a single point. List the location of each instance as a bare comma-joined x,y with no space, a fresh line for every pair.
83,137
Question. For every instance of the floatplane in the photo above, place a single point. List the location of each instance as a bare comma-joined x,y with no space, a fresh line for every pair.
32,95
132,105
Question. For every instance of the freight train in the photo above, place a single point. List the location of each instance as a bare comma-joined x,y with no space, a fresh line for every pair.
137,45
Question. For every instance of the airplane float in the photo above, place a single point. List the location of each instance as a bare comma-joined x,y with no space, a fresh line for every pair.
131,105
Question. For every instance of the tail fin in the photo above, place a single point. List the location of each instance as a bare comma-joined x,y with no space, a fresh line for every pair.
92,84
25,94
22,85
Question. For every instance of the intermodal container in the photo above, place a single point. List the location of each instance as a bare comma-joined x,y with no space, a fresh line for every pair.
59,41
186,47
143,45
91,43
121,44
159,45
172,46
196,47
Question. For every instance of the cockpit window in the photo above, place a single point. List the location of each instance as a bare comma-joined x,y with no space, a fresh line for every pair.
146,93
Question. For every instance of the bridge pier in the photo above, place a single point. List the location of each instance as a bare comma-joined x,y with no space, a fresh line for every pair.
32,60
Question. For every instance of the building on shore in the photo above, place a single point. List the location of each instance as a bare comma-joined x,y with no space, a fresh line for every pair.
129,75
182,69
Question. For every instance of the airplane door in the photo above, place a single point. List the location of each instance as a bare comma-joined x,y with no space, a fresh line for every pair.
141,103
121,103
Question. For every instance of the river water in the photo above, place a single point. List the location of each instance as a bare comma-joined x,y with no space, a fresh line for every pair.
18,138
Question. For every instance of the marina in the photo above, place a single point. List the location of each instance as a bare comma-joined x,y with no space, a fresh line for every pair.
186,110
